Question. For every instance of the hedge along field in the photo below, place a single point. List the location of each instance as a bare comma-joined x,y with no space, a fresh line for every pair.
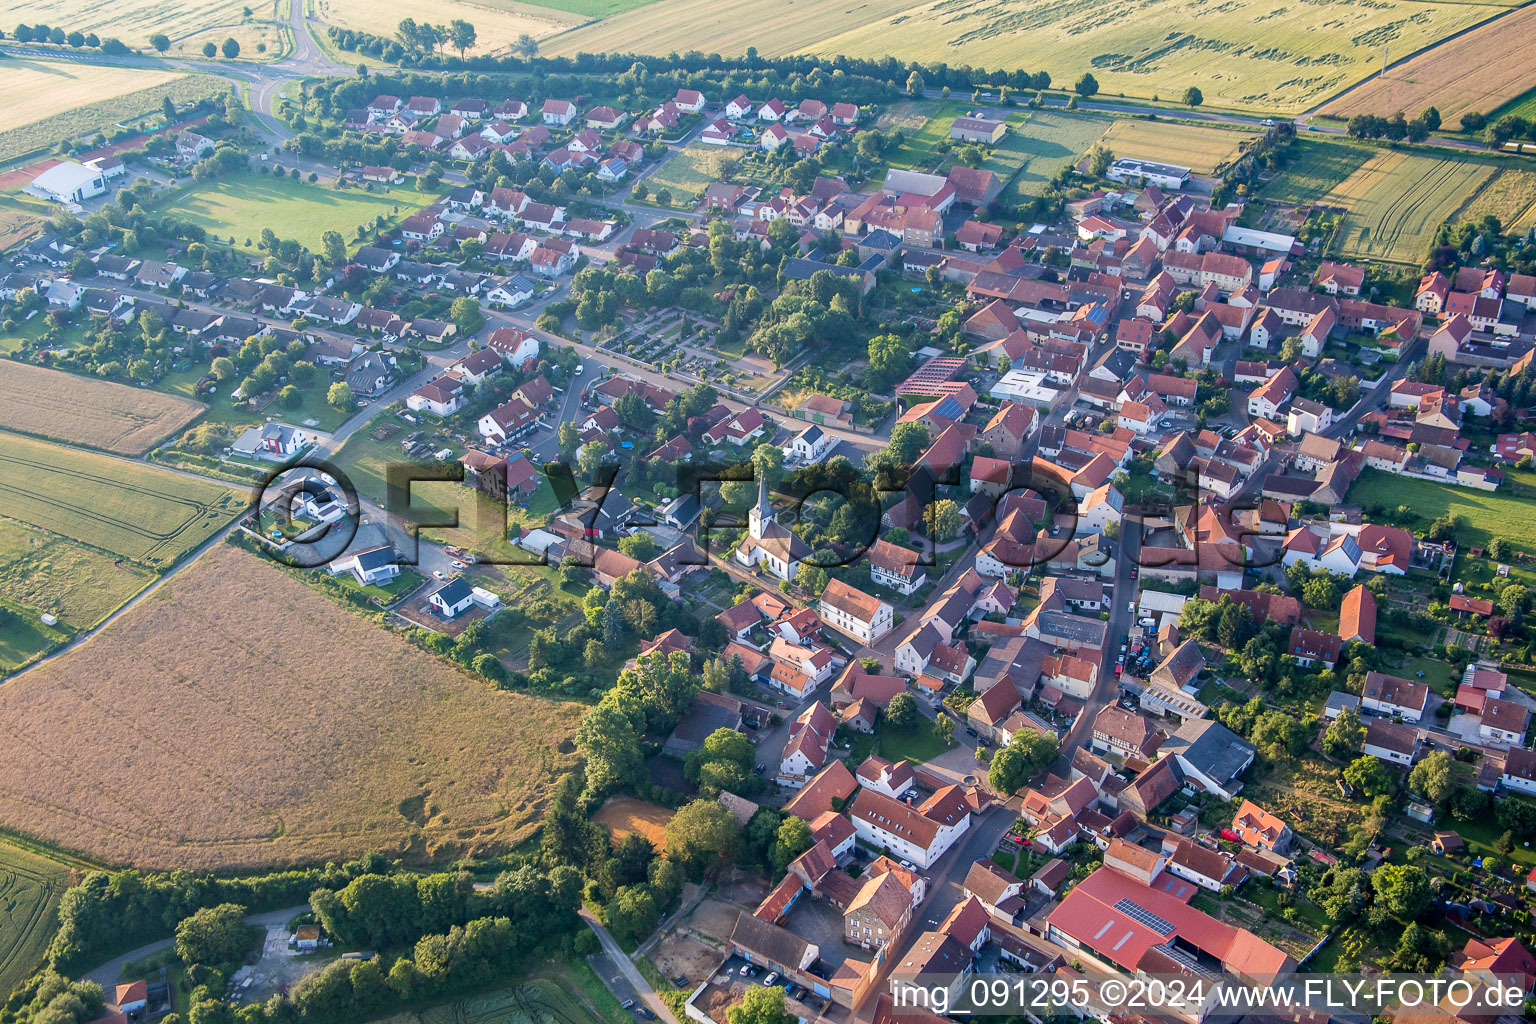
1306,52
1200,149
104,115
1480,71
90,412
497,22
149,515
1397,200
285,728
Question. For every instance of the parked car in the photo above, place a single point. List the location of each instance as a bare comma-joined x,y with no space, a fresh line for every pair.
773,976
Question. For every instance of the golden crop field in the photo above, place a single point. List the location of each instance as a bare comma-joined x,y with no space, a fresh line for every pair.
134,21
1479,71
31,90
90,412
1202,150
497,22
1306,52
237,718
1396,201
1510,196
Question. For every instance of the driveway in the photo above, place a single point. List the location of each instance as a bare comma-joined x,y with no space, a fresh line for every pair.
620,974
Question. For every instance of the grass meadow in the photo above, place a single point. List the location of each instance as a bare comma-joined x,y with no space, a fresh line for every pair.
283,728
1320,166
1489,514
690,170
30,887
240,207
48,573
151,516
1142,49
84,411
1397,200
1052,140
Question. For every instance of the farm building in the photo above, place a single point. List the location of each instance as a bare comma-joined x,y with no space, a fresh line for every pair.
68,182
1130,169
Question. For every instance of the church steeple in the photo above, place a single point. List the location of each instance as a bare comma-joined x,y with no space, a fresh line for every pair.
763,514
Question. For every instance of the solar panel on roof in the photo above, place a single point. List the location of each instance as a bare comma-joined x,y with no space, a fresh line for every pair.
1130,908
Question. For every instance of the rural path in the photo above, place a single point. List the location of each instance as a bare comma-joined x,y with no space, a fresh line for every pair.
627,968
109,973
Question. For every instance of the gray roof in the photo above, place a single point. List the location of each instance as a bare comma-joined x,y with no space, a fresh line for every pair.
1211,749
453,592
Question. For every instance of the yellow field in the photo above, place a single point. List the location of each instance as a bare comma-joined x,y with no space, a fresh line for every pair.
134,21
1397,200
1510,196
83,410
237,718
1202,150
1242,53
31,90
1477,72
497,22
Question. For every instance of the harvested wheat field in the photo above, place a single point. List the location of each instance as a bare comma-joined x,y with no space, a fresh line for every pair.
1201,149
237,718
82,410
624,814
30,90
1478,71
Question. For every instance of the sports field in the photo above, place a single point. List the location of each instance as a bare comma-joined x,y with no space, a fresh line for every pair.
82,410
31,90
1202,150
1396,201
1480,71
497,22
1243,53
149,515
270,725
1488,514
624,814
30,887
240,207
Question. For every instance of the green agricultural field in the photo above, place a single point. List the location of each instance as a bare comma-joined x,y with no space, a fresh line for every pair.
1396,201
30,887
1320,166
1243,53
149,515
691,170
1487,514
240,207
1052,140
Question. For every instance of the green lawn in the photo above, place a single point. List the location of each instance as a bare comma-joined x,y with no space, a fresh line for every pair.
1483,833
403,584
23,637
917,151
241,206
917,744
1488,514
689,171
